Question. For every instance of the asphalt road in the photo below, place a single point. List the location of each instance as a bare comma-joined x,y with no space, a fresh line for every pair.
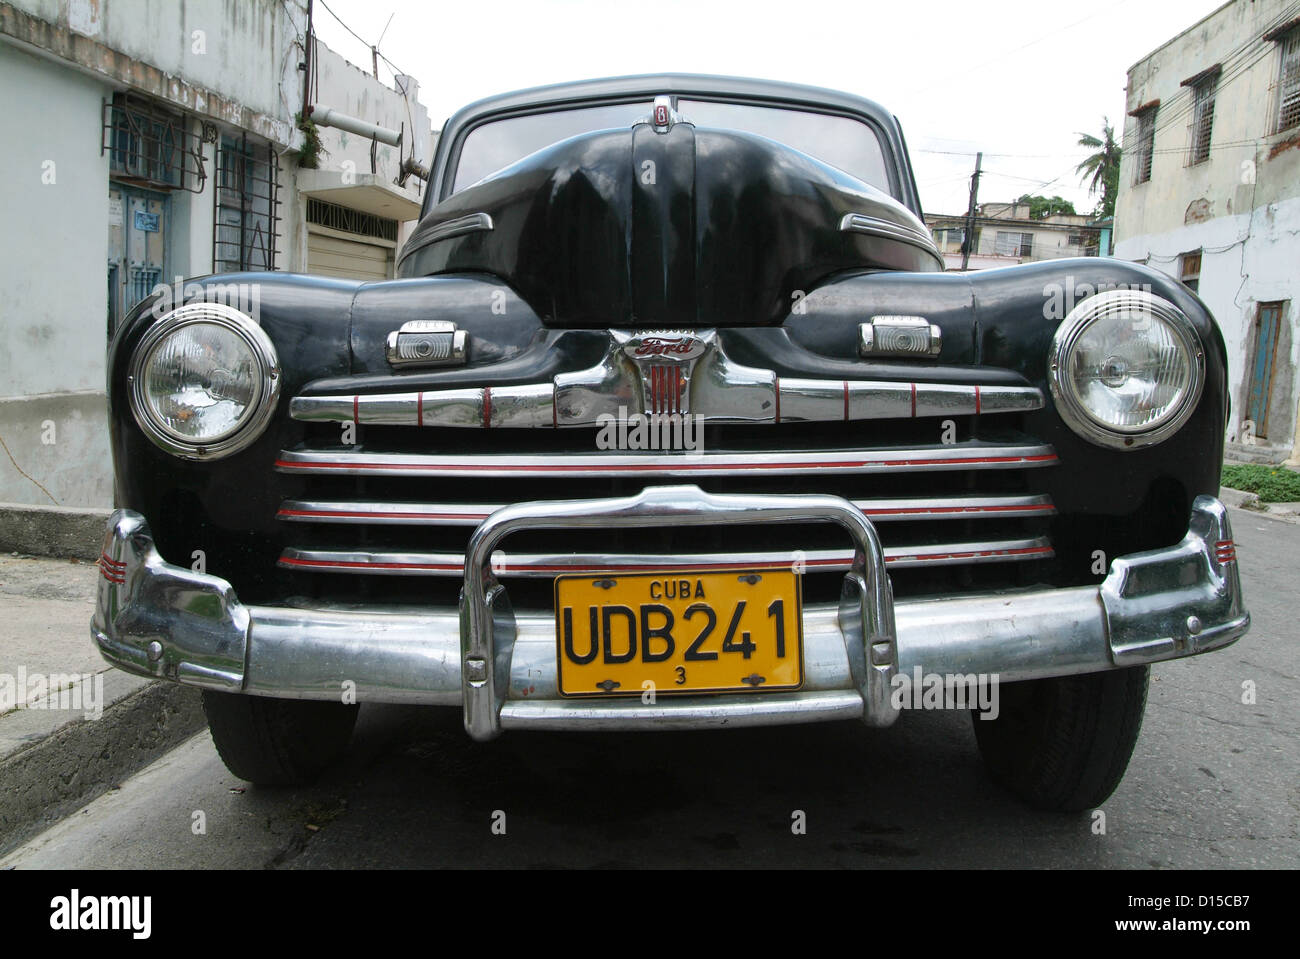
1213,784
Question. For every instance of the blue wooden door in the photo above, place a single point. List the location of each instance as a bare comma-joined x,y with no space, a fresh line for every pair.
137,246
1261,374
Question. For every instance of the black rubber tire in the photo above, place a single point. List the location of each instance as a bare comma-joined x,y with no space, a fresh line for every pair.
278,742
1063,744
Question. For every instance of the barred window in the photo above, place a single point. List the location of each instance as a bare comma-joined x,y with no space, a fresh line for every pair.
1014,244
1146,141
344,218
151,146
245,201
1288,82
1202,119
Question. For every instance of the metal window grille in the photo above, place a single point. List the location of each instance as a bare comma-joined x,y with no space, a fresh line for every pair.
1014,244
1202,124
150,146
336,217
246,206
1146,140
1288,82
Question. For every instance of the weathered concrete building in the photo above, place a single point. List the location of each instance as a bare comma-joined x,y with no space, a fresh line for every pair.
1005,234
1210,193
147,140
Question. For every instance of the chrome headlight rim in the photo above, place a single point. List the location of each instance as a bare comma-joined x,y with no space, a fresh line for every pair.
1071,408
266,397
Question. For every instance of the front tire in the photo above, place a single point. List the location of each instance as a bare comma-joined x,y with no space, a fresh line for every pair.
277,742
1063,744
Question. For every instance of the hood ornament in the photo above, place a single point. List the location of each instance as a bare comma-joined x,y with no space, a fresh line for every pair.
662,115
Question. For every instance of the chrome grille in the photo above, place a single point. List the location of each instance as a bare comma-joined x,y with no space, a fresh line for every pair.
338,525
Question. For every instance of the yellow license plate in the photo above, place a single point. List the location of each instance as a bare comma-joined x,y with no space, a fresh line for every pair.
621,634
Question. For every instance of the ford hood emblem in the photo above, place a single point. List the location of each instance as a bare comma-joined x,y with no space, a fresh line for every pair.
665,346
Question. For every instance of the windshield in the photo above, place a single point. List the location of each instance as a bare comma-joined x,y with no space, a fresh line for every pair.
849,144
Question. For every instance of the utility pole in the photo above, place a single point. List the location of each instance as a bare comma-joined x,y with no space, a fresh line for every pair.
306,66
970,213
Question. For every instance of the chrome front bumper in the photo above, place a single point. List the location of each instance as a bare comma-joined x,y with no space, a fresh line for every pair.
156,619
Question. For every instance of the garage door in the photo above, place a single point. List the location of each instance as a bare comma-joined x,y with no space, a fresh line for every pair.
335,253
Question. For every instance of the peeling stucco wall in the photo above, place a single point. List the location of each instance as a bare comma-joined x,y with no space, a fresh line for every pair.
232,60
1241,207
52,312
230,63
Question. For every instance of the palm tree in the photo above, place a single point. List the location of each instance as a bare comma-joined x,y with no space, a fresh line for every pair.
1102,166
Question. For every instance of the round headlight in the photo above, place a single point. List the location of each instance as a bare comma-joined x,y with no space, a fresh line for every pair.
1126,368
204,381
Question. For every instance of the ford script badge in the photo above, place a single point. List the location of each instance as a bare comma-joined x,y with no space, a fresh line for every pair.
670,346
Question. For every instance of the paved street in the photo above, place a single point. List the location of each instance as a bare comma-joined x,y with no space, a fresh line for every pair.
1213,784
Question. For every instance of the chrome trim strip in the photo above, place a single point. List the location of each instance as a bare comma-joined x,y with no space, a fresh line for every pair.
954,457
386,514
471,514
1158,605
472,223
703,712
667,372
874,226
544,565
754,401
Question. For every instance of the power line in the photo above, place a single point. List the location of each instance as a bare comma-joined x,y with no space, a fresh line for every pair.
372,46
1009,156
1025,46
1012,176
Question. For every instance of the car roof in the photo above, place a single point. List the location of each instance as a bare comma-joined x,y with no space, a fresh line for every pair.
676,85
673,84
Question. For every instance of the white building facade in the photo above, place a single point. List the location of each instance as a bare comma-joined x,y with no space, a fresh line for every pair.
148,140
1005,235
1210,193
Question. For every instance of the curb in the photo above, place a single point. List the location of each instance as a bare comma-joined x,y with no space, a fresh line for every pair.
82,759
1240,499
58,531
1286,512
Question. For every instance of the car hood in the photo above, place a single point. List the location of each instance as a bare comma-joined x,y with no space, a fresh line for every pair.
646,228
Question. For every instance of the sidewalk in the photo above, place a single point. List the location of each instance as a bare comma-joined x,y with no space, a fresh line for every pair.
71,727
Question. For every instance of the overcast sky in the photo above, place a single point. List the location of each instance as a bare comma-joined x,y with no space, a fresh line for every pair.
1015,78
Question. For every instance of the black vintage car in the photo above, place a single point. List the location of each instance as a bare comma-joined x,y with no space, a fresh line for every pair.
673,420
